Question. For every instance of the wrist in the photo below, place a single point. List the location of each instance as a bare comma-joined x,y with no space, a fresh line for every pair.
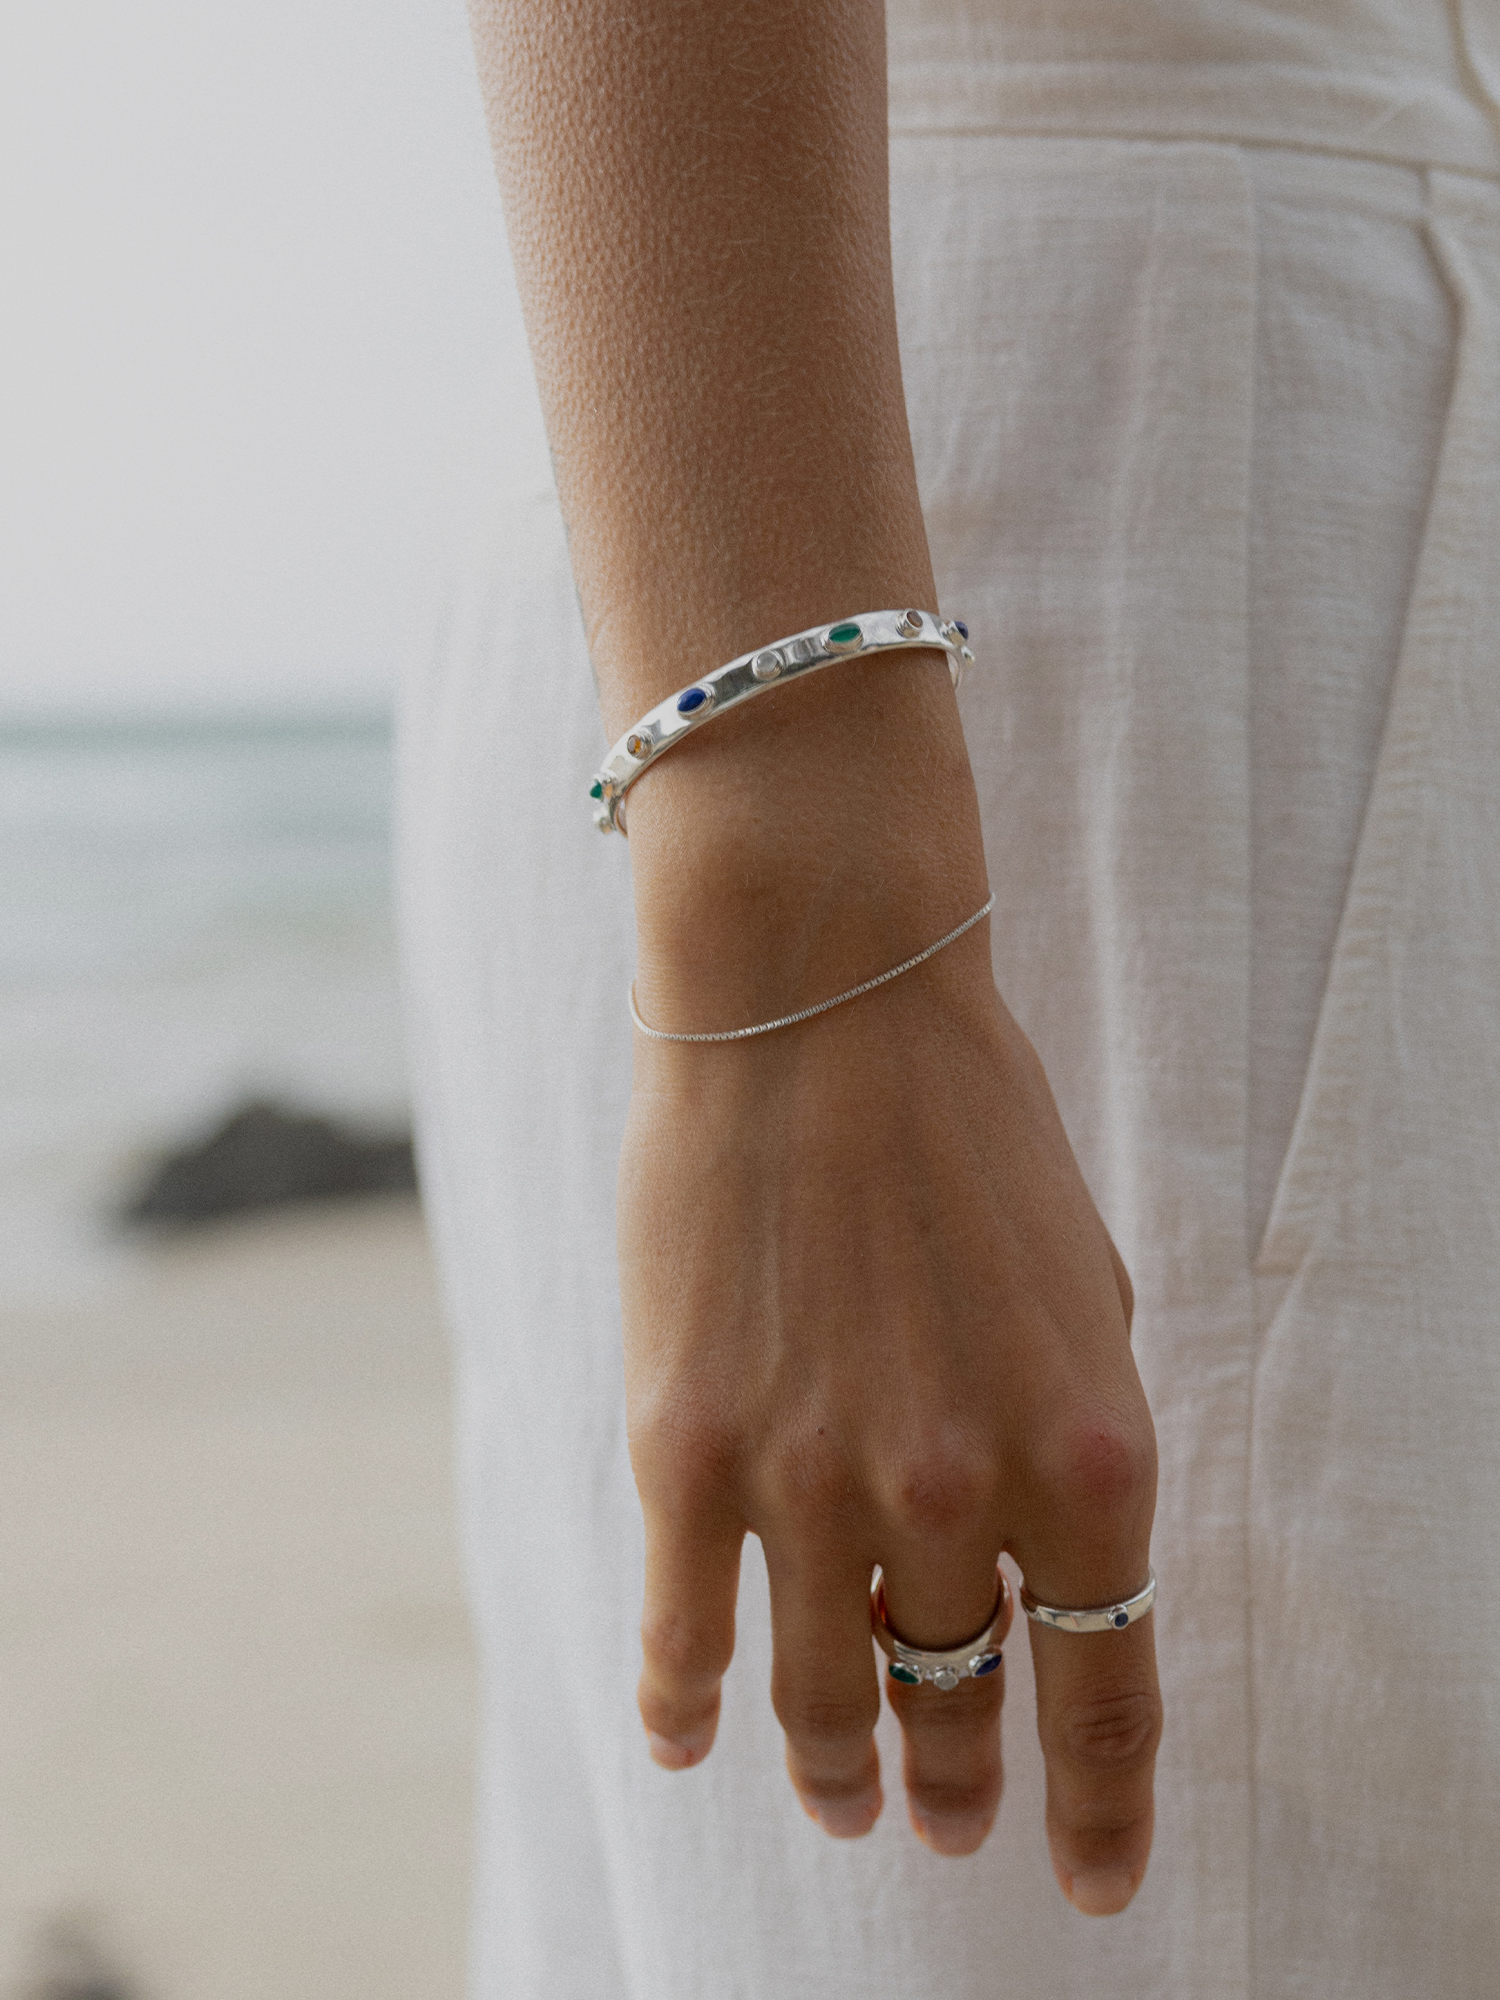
804,844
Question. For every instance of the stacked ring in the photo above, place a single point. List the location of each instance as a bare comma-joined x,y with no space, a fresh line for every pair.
973,1660
1099,1618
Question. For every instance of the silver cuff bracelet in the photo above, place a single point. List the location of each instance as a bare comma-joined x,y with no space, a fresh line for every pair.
756,673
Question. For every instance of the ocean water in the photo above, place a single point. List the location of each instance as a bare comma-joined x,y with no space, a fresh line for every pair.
190,913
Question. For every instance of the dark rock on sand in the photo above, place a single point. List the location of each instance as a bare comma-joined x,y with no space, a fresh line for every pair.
265,1156
70,1966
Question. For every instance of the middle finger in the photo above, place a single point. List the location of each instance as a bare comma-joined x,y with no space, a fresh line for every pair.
952,1766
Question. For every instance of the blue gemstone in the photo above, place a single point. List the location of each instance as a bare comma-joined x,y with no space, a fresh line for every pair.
961,629
1121,1620
694,698
987,1665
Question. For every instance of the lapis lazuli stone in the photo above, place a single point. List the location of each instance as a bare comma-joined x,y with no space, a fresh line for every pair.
899,1671
960,628
987,1665
693,698
1121,1620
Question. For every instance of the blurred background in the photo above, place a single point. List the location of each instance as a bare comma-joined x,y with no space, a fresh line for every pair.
259,375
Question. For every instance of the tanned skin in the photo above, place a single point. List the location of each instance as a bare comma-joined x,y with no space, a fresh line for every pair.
871,1313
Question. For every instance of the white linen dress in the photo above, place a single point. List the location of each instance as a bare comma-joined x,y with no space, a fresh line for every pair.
1200,317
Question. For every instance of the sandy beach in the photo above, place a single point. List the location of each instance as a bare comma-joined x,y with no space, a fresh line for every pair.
236,1684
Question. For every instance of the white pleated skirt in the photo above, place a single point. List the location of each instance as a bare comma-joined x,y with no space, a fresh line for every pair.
1208,438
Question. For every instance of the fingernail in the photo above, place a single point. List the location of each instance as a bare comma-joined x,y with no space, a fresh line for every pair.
847,1819
1101,1892
952,1833
675,1756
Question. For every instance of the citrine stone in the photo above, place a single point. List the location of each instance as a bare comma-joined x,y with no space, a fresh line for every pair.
845,636
899,1671
638,746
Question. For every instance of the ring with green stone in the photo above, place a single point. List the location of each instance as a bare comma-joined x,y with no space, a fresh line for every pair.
973,1660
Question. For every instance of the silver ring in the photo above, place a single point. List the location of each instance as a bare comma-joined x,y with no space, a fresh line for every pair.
911,1665
1101,1618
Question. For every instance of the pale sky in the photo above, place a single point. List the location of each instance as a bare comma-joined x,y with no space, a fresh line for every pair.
259,355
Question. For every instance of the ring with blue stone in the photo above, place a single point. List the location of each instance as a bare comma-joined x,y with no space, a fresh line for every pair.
1098,1617
974,1660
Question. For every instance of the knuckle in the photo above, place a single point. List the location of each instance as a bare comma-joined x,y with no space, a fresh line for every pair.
1099,1466
830,1721
680,1650
970,1711
1104,1734
958,1798
683,1458
940,1487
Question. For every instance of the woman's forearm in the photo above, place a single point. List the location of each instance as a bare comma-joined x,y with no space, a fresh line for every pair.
698,211
697,201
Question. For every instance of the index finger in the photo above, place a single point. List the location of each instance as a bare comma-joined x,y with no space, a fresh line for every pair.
1099,1717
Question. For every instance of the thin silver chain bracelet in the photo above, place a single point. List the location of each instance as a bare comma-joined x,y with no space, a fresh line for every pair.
822,1007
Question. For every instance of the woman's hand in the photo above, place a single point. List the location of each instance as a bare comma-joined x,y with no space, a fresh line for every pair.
872,1316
